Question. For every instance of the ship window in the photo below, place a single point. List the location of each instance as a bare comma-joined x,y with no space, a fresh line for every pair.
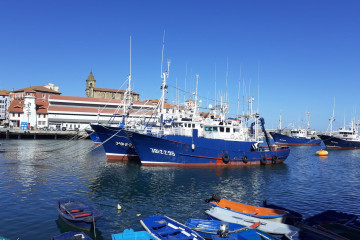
208,129
193,125
227,130
221,129
215,129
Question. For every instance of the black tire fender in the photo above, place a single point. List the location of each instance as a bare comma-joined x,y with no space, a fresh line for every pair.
263,160
225,158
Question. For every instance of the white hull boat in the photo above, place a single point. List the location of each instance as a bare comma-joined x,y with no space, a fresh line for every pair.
239,218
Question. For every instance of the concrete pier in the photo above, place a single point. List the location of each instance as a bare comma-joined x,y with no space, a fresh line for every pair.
7,133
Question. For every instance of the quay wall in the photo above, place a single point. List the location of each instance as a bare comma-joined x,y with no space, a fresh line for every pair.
10,133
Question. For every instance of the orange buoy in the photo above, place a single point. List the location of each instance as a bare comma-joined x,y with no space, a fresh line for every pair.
322,152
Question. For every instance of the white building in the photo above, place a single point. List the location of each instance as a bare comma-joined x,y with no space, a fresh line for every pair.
4,104
78,112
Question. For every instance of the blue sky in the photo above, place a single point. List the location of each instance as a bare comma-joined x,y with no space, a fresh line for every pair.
293,56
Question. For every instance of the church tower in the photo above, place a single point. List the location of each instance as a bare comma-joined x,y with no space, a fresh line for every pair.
90,85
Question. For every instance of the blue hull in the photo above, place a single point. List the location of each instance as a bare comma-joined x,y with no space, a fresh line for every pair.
338,143
94,137
165,228
77,213
282,139
172,150
208,228
116,144
129,234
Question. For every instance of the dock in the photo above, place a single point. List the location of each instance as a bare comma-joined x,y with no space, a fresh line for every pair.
10,133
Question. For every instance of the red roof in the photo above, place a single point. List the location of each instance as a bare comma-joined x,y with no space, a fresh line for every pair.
37,89
4,93
16,106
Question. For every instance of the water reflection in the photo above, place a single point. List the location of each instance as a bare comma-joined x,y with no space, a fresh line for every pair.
38,172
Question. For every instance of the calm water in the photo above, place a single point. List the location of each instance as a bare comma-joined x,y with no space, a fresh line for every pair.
35,173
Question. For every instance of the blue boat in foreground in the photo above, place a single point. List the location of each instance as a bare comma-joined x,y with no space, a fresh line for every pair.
130,234
164,227
208,228
77,213
72,236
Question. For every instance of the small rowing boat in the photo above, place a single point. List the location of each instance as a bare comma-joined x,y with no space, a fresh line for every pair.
275,215
77,213
164,228
208,228
240,218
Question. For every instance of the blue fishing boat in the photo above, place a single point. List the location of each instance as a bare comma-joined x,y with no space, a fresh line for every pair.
77,213
221,144
115,142
298,137
130,234
164,227
72,236
208,228
343,138
93,136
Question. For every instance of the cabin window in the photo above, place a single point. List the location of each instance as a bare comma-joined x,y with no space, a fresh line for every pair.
215,129
209,129
221,129
227,130
236,130
193,125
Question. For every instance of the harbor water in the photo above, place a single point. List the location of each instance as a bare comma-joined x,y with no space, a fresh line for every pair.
36,173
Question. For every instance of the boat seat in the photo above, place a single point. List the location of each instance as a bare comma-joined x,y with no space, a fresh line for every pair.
168,232
159,224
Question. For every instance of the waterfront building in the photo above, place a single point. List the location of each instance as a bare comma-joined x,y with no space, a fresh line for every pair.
28,106
4,104
72,113
93,92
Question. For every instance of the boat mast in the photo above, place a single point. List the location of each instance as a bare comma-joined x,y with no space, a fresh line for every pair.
308,120
332,119
127,95
196,94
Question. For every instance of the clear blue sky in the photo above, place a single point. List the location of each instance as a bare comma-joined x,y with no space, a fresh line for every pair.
301,54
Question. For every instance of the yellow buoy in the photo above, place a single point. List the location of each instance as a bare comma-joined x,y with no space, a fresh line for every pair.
118,207
322,152
138,215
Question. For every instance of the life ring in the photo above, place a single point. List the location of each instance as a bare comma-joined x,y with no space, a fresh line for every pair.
274,159
245,159
263,160
225,158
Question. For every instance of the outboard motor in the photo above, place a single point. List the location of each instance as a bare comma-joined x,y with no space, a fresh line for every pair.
223,230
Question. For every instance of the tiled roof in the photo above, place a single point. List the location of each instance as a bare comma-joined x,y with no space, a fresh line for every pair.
37,89
16,106
4,93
